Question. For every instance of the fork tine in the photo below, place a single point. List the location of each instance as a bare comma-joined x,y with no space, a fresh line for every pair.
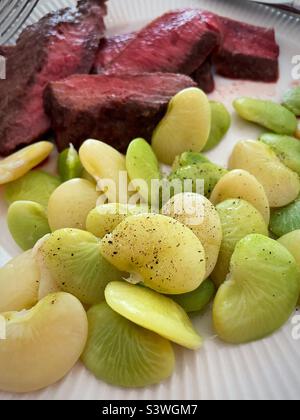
16,18
5,4
11,8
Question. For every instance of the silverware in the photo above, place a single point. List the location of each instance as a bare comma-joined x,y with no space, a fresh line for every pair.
288,5
13,14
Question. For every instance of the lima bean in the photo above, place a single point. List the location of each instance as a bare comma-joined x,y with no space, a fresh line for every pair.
27,222
286,148
220,124
18,164
291,100
104,219
297,135
189,158
43,344
197,213
142,164
260,293
291,242
157,251
85,175
242,185
104,162
19,283
282,186
268,114
70,204
35,186
209,173
286,219
197,300
74,260
154,312
48,283
143,359
186,126
239,219
69,165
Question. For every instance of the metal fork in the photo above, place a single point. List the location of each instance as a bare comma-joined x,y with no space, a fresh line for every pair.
13,14
292,6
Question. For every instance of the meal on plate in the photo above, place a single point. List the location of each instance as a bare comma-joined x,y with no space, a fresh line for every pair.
138,229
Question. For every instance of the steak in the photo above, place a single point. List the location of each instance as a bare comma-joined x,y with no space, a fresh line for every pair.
204,77
109,49
247,52
177,42
5,50
111,108
62,43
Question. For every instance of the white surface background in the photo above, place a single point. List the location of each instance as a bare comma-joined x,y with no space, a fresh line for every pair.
269,369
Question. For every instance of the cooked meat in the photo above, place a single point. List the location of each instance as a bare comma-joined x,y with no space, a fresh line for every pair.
111,108
177,42
5,50
248,52
109,49
62,43
204,77
66,42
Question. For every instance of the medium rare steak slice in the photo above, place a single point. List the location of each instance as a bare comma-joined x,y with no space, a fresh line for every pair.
62,43
204,77
111,108
109,49
248,52
177,42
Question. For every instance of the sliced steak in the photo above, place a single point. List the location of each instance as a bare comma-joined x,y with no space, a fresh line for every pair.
111,108
62,43
5,50
109,49
248,52
177,42
204,77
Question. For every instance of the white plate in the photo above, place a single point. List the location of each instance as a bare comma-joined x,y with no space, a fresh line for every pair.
269,369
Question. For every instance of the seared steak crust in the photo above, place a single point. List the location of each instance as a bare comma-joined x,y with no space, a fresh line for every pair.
114,109
62,43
